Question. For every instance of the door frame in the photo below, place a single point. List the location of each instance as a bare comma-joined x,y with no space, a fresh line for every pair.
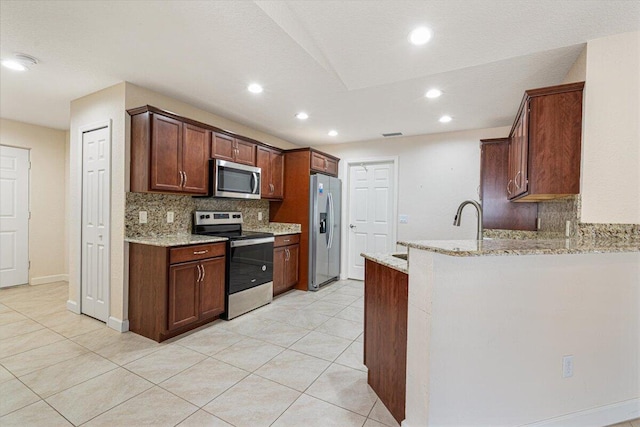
29,180
344,171
76,306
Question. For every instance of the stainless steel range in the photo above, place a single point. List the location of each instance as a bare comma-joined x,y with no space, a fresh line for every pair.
249,278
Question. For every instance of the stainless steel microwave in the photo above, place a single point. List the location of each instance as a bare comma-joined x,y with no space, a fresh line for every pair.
233,180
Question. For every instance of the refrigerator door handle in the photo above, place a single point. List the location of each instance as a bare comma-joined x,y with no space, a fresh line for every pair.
331,216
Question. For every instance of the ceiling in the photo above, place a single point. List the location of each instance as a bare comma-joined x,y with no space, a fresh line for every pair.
348,64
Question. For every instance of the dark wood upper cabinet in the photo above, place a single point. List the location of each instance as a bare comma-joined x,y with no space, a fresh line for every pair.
323,163
167,155
226,147
545,144
195,154
272,179
498,211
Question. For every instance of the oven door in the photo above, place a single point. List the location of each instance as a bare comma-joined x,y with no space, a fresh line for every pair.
250,263
236,181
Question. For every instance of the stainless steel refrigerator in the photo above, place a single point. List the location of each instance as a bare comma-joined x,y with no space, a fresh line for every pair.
324,230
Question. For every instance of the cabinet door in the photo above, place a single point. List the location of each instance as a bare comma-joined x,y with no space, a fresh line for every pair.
166,154
291,266
212,287
195,158
276,165
279,261
222,147
263,161
318,162
245,152
184,295
332,167
518,155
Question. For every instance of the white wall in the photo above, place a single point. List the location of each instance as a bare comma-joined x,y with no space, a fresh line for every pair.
610,179
47,226
487,336
435,174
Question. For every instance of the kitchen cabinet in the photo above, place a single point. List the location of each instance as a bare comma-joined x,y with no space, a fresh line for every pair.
272,178
173,290
286,251
545,143
294,207
168,155
324,163
386,296
236,150
498,211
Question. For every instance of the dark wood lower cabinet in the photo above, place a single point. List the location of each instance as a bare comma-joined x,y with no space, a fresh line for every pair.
286,254
385,334
173,290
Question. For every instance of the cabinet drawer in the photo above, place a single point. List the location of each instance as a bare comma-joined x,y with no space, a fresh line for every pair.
196,252
288,239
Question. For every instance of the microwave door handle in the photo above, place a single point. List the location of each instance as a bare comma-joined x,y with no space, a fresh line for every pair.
254,177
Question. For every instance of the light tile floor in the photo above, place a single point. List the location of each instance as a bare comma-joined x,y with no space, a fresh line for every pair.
295,362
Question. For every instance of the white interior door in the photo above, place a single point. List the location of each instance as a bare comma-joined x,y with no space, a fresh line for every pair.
95,222
14,216
371,216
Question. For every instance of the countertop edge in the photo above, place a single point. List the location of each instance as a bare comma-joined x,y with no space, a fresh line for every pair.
388,260
175,240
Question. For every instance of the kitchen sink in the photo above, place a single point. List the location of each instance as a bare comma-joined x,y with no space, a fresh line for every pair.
401,256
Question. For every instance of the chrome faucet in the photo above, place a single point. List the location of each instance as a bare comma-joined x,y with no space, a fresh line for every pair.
458,217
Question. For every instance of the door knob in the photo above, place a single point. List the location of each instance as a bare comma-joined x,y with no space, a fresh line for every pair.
352,226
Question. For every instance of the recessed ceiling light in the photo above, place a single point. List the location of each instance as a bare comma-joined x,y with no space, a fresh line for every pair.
420,36
333,133
254,88
433,93
19,62
302,115
445,119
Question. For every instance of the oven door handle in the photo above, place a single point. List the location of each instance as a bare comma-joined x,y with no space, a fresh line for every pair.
249,242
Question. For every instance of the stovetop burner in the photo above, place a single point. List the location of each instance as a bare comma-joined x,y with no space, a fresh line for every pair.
223,224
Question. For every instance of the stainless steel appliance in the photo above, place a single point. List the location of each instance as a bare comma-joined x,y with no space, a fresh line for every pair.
249,278
324,230
233,180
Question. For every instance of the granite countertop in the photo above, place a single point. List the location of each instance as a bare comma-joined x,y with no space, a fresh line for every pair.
389,260
277,228
502,247
175,240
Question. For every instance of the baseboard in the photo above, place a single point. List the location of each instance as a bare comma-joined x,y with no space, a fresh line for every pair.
600,416
49,279
73,306
118,325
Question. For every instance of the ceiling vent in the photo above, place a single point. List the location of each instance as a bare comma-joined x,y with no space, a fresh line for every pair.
387,135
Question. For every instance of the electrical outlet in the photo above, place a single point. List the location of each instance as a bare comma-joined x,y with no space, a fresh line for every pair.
259,216
567,366
170,217
567,229
538,223
404,219
142,217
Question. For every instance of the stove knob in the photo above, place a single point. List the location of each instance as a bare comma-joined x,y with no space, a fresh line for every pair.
208,216
201,216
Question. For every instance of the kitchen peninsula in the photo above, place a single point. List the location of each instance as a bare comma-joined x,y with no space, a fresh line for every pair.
489,324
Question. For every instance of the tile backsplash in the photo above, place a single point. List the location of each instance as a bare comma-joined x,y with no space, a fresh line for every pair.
157,206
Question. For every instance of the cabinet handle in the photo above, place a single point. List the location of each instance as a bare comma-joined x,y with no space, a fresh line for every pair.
204,272
185,179
181,179
325,164
199,273
287,240
200,252
286,251
515,180
508,184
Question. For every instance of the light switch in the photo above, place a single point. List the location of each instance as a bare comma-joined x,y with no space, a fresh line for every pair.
404,219
142,217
